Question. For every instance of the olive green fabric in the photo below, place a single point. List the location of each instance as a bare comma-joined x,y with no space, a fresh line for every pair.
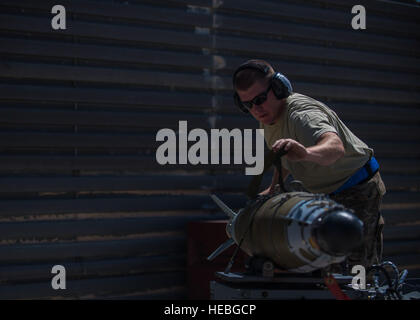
366,199
305,120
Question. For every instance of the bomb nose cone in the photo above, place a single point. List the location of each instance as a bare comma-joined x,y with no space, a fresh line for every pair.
338,233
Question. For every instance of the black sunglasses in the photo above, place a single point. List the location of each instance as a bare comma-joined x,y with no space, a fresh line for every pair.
259,99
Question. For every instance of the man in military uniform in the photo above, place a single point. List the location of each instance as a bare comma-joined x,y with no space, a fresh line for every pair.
321,151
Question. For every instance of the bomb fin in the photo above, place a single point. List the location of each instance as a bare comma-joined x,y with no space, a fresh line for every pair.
223,206
224,246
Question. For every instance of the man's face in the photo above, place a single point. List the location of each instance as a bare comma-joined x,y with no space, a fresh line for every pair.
270,110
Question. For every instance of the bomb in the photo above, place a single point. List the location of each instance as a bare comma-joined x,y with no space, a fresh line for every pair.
298,231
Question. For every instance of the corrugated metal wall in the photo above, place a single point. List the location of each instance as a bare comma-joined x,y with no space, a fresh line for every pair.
80,109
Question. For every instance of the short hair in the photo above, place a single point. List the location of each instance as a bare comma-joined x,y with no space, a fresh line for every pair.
245,78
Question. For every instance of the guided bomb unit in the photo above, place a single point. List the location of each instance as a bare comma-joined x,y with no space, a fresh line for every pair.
288,237
297,231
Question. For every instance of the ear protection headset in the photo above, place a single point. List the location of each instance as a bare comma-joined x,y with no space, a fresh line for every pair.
280,85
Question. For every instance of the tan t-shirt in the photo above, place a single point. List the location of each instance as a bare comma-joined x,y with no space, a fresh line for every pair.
305,120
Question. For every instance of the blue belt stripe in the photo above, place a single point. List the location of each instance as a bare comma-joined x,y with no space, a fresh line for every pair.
364,173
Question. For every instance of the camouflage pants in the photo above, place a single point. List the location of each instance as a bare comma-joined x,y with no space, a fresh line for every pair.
365,199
